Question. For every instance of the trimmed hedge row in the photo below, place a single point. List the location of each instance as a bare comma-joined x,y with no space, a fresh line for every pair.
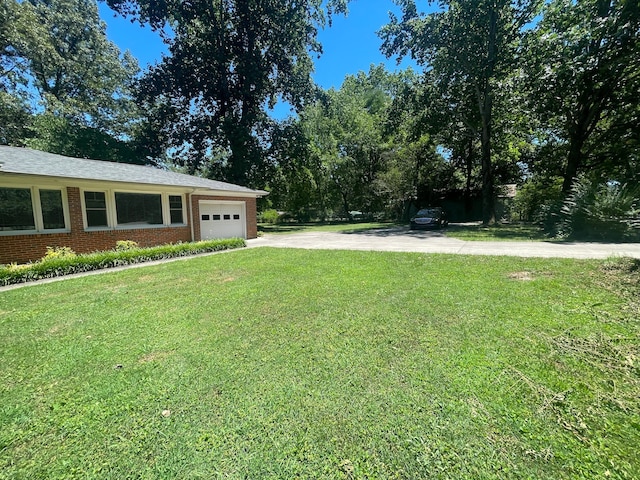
66,265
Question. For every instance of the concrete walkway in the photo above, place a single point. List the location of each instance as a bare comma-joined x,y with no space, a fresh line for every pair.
401,239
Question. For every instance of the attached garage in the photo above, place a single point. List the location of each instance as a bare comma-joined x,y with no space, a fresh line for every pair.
222,219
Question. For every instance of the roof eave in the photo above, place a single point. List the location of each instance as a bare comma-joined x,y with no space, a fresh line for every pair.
230,193
68,181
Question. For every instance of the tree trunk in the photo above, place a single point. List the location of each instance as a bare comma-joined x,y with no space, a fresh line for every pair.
486,112
345,204
488,204
468,206
574,159
239,161
589,108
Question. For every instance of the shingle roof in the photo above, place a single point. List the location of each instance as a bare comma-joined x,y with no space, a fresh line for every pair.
33,162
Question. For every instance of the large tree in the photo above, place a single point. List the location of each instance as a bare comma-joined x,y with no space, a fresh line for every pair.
429,107
16,30
296,176
584,76
470,47
228,61
57,60
346,134
78,72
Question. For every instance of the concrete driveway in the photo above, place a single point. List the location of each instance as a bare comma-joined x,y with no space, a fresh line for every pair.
401,239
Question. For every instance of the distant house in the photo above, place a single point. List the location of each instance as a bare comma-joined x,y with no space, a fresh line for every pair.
88,205
504,201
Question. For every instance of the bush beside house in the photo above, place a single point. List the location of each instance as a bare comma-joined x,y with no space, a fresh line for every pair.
63,261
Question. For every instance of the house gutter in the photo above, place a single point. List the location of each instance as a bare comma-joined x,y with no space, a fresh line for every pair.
191,215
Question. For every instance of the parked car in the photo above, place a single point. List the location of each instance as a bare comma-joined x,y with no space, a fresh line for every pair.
433,217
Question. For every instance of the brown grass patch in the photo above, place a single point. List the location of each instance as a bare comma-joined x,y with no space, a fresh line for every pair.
56,329
155,356
521,276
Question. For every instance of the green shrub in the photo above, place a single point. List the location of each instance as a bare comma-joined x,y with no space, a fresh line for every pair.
597,211
62,261
56,253
15,267
122,245
535,198
270,216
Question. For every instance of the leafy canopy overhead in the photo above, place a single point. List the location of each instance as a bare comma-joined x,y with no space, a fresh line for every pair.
64,87
584,74
61,47
228,60
470,49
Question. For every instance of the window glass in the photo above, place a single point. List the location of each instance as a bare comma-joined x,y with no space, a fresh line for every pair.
138,208
96,206
16,209
52,210
175,208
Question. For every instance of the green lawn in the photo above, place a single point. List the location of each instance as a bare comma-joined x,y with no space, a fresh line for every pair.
515,232
273,363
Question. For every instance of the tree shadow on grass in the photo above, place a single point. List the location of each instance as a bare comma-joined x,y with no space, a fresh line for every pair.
523,232
604,237
336,227
511,232
397,230
514,232
283,228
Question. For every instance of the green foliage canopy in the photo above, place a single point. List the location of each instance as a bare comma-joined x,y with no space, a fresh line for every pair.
65,87
228,60
583,61
469,46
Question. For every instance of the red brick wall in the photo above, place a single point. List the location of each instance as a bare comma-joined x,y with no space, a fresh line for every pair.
252,218
31,247
25,248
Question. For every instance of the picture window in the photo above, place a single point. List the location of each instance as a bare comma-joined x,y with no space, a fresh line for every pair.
32,209
16,209
138,208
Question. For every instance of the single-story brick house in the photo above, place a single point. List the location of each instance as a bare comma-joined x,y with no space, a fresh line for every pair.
49,200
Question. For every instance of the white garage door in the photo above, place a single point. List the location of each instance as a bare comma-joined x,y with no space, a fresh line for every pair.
222,220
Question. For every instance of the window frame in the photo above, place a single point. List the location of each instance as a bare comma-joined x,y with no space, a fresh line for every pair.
36,209
169,209
65,212
112,212
128,226
85,220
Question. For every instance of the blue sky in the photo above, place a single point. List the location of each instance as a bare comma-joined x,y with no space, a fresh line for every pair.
350,45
